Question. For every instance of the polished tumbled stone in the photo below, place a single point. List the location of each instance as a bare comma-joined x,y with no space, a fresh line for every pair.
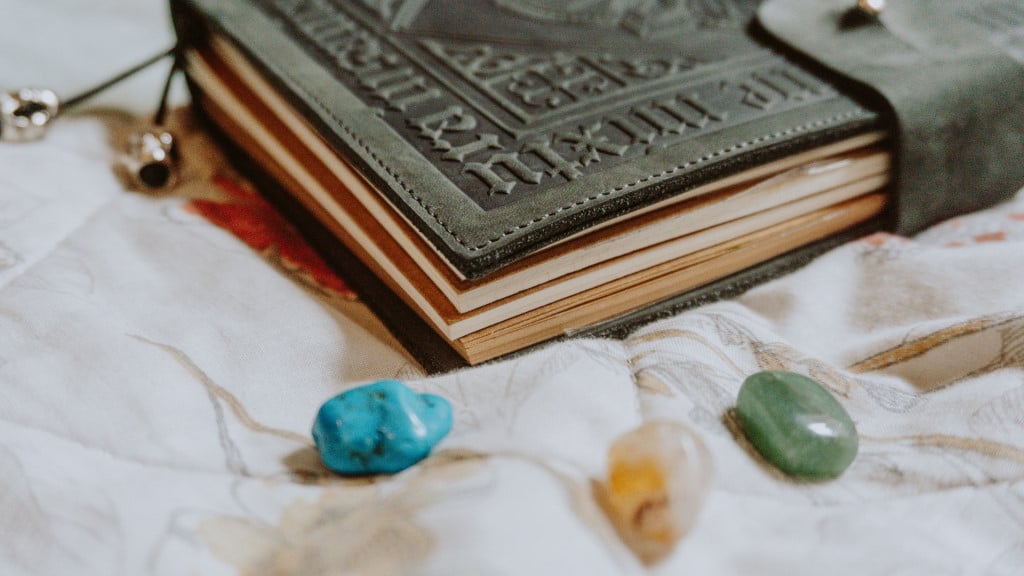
796,425
658,477
380,428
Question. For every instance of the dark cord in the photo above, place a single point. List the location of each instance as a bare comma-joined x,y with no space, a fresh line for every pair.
161,111
79,98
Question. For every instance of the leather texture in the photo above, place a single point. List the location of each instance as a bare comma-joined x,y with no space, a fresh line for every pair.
498,127
952,75
429,349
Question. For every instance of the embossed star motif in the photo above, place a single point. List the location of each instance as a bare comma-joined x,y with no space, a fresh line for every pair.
592,146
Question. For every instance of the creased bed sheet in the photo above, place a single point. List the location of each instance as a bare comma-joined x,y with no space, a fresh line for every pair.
162,357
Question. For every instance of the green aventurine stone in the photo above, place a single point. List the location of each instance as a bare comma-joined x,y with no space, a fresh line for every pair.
796,424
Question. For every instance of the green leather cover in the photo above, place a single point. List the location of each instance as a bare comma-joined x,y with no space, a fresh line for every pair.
952,75
431,351
500,126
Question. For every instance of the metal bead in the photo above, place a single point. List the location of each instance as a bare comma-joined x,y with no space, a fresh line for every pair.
25,113
152,158
871,8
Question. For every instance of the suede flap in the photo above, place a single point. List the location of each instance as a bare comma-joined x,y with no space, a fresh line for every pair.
952,73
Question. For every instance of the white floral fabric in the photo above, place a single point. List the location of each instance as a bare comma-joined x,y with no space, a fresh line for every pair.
162,357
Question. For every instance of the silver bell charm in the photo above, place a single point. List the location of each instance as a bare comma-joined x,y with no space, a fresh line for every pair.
25,113
152,157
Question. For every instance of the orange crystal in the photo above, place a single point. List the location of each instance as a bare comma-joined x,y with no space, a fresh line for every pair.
658,477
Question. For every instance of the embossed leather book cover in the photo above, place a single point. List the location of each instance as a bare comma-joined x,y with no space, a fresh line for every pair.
520,169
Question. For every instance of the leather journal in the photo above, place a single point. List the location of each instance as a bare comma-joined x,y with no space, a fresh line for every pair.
492,174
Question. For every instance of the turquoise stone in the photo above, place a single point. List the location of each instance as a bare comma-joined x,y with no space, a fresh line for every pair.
380,428
796,425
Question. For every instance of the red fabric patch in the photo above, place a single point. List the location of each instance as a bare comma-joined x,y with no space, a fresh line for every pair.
254,221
